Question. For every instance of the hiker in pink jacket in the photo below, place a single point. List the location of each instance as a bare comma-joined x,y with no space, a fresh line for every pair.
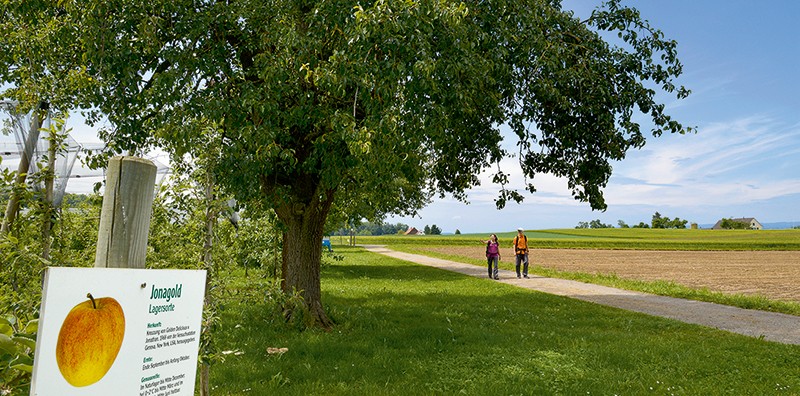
492,255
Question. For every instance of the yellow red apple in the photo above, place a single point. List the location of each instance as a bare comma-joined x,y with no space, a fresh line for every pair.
89,340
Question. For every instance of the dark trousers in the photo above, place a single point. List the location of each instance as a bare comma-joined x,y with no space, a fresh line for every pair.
522,259
492,260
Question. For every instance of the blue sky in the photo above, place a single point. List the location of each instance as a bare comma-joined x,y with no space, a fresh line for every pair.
740,59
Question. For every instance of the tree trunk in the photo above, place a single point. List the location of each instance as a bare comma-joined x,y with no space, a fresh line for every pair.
284,262
22,172
205,378
302,252
211,219
208,263
47,213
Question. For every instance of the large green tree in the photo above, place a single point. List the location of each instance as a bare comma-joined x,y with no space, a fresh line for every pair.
320,103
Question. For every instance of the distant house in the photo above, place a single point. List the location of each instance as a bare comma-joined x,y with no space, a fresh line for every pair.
750,222
412,231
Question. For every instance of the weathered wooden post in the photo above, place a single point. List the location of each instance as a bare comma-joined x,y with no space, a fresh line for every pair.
125,217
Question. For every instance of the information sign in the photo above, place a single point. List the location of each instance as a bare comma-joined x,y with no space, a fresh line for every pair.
116,331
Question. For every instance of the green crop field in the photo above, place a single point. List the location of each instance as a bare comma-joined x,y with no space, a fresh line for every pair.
618,238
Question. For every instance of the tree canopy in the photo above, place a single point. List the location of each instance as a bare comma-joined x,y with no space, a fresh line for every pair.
659,221
596,223
732,224
367,107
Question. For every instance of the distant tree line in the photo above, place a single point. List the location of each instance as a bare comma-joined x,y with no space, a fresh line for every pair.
432,230
658,221
593,224
665,222
369,228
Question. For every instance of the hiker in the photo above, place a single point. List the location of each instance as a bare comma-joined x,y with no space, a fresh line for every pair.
521,252
492,255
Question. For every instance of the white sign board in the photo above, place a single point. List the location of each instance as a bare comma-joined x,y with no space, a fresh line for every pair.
113,331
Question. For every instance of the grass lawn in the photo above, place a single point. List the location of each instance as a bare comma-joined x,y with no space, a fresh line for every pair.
404,329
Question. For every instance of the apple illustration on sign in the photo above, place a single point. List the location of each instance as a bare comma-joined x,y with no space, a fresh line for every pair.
89,340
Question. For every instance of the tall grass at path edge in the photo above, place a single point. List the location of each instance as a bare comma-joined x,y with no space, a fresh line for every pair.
405,329
660,287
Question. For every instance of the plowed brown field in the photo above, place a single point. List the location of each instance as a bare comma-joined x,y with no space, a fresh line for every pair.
774,274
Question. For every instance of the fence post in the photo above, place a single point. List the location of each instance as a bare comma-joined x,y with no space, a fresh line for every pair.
125,217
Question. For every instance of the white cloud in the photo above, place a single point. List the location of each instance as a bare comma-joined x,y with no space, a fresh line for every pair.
724,163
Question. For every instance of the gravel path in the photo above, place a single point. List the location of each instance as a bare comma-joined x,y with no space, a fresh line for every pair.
768,325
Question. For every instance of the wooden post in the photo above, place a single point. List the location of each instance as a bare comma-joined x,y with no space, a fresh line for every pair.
125,217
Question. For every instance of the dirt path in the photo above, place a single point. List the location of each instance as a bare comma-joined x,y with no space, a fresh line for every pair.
771,326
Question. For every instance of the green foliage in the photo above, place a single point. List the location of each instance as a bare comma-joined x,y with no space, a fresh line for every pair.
370,228
17,347
593,224
21,267
665,222
731,224
657,222
179,224
23,260
20,275
75,231
329,96
257,244
178,227
351,110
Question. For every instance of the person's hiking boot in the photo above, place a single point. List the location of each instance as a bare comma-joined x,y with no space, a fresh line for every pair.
526,276
496,278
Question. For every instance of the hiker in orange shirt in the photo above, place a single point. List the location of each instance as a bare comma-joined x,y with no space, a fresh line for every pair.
521,252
